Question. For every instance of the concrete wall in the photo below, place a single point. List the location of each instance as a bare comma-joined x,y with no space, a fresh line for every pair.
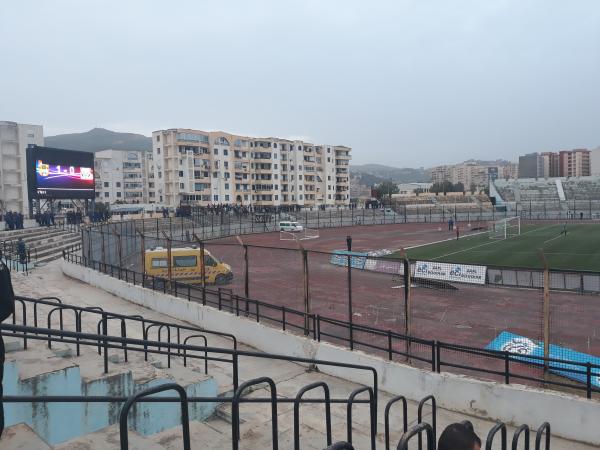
571,417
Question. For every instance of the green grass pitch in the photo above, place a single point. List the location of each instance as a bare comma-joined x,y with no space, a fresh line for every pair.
578,250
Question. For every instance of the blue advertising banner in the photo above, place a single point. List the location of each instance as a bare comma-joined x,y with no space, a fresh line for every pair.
357,260
523,347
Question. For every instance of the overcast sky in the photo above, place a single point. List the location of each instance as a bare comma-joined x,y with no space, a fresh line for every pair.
405,83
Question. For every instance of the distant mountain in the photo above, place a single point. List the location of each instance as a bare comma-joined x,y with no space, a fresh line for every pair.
100,139
370,174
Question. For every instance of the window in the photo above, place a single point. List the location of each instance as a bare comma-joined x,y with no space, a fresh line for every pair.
106,184
106,194
181,186
216,151
245,196
216,198
225,152
328,177
209,261
274,166
277,197
159,262
329,196
118,184
159,174
181,173
185,261
118,194
328,159
226,185
300,197
158,138
158,150
226,197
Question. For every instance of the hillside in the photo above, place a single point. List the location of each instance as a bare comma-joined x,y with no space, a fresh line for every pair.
100,139
369,174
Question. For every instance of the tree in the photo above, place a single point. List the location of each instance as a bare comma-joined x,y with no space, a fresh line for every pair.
473,188
386,189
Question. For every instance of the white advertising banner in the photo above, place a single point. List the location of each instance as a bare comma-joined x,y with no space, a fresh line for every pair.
462,273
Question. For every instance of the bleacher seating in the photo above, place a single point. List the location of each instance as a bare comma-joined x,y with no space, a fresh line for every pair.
582,188
528,189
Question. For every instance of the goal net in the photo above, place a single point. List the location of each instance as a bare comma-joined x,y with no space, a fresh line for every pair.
306,233
505,228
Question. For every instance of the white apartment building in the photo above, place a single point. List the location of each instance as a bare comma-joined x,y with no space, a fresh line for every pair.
199,167
408,189
121,176
14,140
471,173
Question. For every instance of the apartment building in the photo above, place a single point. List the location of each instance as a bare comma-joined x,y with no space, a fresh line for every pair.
468,173
200,167
574,163
121,176
14,140
595,162
566,163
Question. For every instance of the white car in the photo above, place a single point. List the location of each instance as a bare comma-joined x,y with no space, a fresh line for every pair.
290,226
388,212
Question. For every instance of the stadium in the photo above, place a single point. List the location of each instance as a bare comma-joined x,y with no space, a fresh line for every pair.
494,299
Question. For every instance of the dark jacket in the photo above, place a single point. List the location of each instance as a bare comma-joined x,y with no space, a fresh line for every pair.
7,295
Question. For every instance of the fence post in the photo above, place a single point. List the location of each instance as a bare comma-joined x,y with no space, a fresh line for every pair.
546,309
350,313
306,290
169,259
246,274
589,379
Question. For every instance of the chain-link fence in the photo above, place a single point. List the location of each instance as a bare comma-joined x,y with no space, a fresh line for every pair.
543,313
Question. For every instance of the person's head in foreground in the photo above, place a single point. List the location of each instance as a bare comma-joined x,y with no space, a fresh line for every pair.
459,436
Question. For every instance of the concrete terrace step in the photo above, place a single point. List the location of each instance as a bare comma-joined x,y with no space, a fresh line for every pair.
58,371
108,438
22,437
29,232
55,246
30,237
58,239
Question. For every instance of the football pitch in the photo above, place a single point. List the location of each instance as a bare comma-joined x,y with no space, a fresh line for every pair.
578,250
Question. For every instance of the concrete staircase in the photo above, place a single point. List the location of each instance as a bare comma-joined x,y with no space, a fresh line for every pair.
58,371
45,243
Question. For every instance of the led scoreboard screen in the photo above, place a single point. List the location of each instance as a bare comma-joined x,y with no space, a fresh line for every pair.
57,173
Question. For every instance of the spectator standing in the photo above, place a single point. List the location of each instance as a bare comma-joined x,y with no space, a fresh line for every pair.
7,308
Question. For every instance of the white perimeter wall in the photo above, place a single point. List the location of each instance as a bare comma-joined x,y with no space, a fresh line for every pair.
571,417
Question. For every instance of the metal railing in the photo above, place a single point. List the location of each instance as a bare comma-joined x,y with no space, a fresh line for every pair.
156,347
395,346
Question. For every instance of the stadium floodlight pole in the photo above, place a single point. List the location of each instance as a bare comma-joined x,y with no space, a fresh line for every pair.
546,313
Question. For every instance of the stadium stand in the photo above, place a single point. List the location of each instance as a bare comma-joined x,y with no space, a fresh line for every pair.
527,189
582,188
